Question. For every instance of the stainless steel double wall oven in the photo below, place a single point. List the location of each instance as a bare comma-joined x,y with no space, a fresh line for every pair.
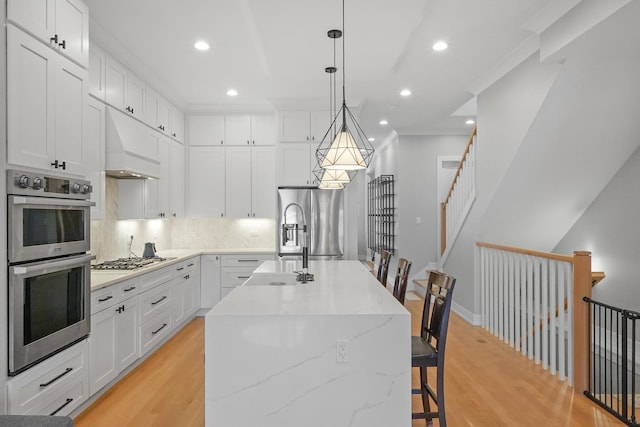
48,237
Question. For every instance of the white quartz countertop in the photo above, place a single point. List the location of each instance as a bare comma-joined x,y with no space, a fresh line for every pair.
340,287
104,278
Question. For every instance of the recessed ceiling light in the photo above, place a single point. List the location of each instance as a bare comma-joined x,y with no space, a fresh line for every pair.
371,139
405,92
232,92
470,122
384,122
439,46
201,45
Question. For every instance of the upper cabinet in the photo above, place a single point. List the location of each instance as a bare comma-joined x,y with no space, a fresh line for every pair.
124,90
158,112
46,98
62,24
177,124
234,129
300,126
97,70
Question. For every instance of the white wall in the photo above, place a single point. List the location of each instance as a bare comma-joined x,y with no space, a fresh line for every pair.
610,229
417,195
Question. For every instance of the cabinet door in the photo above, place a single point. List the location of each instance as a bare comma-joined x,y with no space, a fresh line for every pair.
263,182
194,281
176,192
205,182
127,333
72,30
177,124
164,115
94,152
97,70
35,16
116,84
70,107
237,130
102,349
206,130
238,182
294,126
263,129
294,164
178,288
136,91
209,281
158,196
30,100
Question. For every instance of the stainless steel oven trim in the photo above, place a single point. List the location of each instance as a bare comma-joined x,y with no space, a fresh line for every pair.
21,356
19,253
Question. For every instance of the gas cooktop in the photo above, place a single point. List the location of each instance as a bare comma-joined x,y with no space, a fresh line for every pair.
127,263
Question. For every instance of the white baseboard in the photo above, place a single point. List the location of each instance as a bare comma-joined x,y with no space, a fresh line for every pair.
474,319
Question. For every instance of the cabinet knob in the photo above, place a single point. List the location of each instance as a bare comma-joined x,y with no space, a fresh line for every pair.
174,134
248,143
54,39
221,142
63,44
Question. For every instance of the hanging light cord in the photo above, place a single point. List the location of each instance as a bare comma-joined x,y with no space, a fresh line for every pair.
344,102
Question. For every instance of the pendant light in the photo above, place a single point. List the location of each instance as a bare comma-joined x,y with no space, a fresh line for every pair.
349,149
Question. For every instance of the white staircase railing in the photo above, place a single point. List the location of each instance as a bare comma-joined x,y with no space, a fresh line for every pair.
457,204
533,302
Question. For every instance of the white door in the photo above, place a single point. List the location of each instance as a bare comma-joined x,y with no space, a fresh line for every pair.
102,349
177,180
30,100
127,333
237,130
206,182
116,84
206,130
294,126
263,182
177,124
238,182
94,152
72,29
136,89
263,129
294,164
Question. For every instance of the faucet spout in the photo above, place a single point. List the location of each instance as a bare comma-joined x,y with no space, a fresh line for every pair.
305,248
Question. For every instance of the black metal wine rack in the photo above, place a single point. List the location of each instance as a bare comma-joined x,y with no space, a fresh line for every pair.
382,214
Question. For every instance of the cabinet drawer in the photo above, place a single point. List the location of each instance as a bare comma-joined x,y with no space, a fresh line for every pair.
245,260
34,389
234,276
186,267
64,402
154,278
104,298
153,301
128,289
154,330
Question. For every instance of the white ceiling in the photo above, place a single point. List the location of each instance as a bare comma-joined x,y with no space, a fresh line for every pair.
274,53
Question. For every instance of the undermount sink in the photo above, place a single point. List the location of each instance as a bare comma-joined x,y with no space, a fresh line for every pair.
271,280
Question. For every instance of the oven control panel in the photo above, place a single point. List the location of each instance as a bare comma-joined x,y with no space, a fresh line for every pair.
28,183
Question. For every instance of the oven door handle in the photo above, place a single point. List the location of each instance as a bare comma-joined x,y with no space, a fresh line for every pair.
53,265
23,200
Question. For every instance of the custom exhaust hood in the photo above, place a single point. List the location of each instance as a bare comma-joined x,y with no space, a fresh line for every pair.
131,147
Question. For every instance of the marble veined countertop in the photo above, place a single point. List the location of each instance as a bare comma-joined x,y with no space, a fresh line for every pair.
339,287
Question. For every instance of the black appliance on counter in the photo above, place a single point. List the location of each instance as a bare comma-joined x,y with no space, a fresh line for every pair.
48,237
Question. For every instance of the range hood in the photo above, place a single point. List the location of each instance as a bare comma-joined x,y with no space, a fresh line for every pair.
131,147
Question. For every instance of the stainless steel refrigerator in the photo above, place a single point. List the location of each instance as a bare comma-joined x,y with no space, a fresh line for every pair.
324,215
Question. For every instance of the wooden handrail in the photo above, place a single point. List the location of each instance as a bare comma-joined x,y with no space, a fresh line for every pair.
462,159
548,255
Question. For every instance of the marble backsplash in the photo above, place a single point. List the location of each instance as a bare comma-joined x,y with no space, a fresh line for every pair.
110,237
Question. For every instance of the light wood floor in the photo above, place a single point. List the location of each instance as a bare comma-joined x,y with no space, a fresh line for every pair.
487,384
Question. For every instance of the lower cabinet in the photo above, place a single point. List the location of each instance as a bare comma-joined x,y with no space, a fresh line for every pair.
236,269
209,281
113,343
56,386
186,291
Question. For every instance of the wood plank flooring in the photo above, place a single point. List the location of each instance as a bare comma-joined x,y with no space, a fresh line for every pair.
487,384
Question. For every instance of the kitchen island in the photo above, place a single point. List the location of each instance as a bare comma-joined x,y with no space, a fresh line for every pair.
332,352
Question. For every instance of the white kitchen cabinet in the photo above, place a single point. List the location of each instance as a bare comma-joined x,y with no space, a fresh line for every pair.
62,24
97,70
176,191
206,182
209,281
156,191
298,126
263,129
57,385
295,164
124,90
113,343
206,130
158,114
177,124
250,182
236,269
94,150
237,130
47,99
185,290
